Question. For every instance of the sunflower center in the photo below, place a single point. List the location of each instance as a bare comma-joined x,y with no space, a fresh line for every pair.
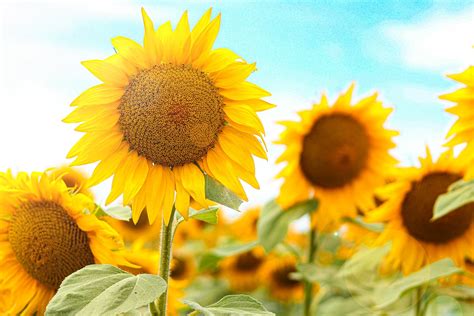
417,210
282,276
171,114
48,243
335,151
248,261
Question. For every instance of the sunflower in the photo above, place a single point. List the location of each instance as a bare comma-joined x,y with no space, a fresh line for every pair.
416,240
183,269
338,154
462,130
44,237
73,178
243,270
165,113
276,273
245,227
139,233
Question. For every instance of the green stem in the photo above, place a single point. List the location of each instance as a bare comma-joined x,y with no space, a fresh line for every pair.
166,243
419,294
308,287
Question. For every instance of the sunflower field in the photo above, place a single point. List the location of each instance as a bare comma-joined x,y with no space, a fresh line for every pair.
174,126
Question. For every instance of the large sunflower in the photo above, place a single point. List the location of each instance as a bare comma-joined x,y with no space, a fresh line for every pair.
338,154
416,240
462,130
44,237
243,270
167,111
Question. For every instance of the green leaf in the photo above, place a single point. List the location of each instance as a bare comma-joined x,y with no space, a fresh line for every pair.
388,295
208,215
273,223
316,273
210,259
103,289
363,261
122,213
460,193
373,227
231,305
444,305
217,192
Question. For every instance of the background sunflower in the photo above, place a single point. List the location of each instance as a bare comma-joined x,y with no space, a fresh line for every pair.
407,212
338,154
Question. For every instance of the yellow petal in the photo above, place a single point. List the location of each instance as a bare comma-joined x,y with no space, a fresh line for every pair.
201,24
154,193
244,115
168,194
104,120
100,94
182,199
135,178
238,153
131,51
218,59
106,72
220,168
244,91
182,44
99,145
149,39
108,166
205,40
83,113
232,74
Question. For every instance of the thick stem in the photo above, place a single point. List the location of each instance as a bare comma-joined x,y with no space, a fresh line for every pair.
166,243
308,287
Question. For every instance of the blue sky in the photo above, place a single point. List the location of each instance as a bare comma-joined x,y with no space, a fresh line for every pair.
402,49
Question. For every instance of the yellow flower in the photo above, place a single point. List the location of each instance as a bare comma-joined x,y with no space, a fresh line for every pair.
462,130
73,178
245,227
243,270
416,240
276,273
165,112
338,154
139,233
44,237
183,269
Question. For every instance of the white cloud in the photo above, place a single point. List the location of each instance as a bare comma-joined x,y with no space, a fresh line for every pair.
438,41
